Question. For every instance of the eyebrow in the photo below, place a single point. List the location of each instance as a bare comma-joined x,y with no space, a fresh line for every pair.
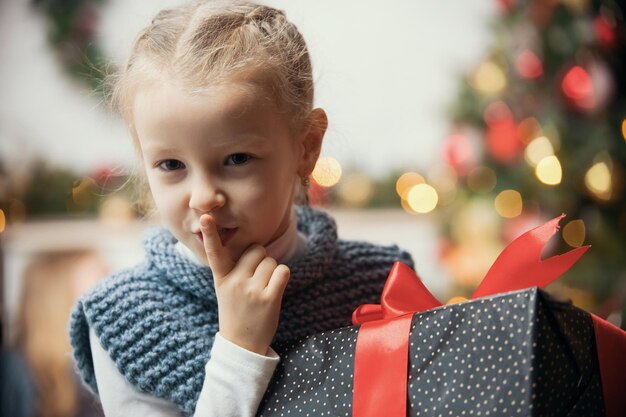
248,138
223,143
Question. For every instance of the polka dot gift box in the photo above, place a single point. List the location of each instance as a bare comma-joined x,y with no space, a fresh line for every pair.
510,351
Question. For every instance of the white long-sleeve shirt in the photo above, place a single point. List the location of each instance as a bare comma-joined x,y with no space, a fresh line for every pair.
235,379
235,382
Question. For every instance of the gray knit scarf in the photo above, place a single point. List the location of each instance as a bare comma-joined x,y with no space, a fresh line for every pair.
158,320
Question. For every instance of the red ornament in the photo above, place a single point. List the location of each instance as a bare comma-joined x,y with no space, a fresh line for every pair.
577,86
605,32
529,65
502,138
458,152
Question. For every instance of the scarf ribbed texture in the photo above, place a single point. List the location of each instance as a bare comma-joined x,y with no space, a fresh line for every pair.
158,320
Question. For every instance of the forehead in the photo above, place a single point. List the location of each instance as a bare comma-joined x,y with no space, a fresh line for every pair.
220,113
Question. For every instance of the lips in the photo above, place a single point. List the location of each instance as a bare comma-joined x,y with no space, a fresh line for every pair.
226,234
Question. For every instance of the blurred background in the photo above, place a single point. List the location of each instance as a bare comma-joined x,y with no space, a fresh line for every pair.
453,129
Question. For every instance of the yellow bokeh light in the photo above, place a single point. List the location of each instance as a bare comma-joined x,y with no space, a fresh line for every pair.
538,149
489,79
548,170
509,204
327,172
407,208
406,181
356,189
422,198
481,179
3,221
598,180
574,233
624,128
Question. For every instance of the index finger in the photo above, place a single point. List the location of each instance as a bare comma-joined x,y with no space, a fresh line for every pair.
217,256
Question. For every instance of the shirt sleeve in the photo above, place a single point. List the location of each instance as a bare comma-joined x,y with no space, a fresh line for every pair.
234,384
236,380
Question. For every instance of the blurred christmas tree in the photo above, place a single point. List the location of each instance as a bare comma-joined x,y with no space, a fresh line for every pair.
540,130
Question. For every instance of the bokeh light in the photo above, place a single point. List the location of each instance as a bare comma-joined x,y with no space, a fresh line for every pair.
422,198
444,179
577,86
509,204
528,64
528,129
356,189
406,181
624,128
538,149
598,180
481,179
574,233
3,221
458,152
549,171
327,172
488,79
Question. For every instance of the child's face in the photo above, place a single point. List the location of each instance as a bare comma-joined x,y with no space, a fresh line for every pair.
227,151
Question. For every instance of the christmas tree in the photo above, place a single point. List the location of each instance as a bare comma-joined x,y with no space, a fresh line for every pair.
539,129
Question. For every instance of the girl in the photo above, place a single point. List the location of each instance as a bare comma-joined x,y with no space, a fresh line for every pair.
218,97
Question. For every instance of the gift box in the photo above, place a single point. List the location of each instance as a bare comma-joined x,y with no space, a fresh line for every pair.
511,350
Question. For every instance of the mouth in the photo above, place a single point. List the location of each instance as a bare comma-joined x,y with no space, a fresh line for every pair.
225,233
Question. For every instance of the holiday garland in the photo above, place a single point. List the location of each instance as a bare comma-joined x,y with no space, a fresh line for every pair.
72,32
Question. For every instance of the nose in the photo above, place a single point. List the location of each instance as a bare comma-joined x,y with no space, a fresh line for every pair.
205,196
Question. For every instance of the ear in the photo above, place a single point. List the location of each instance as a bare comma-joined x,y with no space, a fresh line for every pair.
311,141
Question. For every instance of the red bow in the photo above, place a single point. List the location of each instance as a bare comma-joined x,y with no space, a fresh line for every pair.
382,344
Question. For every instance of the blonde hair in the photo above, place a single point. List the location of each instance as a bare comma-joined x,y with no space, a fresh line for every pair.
207,42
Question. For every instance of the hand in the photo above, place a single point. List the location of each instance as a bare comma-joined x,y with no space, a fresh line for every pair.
249,290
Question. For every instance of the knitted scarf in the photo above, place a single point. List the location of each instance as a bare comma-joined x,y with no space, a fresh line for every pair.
158,320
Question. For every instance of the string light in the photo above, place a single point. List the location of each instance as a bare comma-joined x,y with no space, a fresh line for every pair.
598,180
549,171
574,233
529,65
538,149
422,198
577,86
508,204
406,181
489,79
528,129
327,171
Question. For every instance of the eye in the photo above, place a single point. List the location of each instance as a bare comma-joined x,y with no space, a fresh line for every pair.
238,159
171,165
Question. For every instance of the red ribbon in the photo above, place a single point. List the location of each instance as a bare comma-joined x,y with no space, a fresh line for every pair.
381,358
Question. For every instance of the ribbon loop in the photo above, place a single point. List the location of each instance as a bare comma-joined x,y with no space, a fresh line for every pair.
520,265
